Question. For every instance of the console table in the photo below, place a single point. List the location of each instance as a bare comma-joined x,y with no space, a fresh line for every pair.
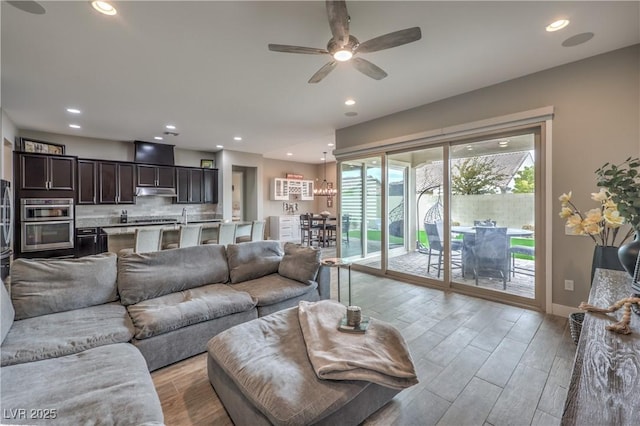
605,385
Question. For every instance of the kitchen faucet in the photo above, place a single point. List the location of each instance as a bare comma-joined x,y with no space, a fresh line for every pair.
184,215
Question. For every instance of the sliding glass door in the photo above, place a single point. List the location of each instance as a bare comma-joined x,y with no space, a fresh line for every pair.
361,211
459,214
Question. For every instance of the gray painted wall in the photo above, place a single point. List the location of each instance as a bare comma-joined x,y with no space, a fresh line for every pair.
597,116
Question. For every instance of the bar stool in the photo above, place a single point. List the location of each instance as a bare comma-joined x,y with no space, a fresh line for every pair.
257,232
226,234
145,240
190,235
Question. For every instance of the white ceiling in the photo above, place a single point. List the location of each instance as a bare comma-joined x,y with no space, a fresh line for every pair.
205,67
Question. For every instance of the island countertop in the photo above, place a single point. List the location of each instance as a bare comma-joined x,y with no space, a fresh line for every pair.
124,229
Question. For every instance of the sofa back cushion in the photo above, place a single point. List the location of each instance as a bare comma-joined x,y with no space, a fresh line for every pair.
300,263
143,276
7,313
248,261
46,286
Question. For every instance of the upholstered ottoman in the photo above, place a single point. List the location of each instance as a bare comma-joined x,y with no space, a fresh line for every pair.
263,375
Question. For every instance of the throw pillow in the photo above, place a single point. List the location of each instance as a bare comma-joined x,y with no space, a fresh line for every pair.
300,263
248,261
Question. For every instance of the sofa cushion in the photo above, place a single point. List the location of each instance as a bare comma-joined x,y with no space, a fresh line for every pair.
172,311
300,263
46,286
256,259
143,276
7,313
64,333
274,288
108,385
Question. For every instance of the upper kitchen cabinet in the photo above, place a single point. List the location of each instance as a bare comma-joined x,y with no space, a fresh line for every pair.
156,176
189,186
210,186
87,181
116,182
43,172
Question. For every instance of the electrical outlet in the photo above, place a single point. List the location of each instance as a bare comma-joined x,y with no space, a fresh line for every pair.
568,285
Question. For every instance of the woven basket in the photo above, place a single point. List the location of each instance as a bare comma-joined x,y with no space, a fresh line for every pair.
575,325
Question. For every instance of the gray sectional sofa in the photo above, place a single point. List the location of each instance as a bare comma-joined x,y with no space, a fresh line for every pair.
79,336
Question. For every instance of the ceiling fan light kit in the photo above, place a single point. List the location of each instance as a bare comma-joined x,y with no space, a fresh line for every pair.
344,46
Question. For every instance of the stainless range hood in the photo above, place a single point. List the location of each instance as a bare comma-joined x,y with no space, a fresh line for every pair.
145,191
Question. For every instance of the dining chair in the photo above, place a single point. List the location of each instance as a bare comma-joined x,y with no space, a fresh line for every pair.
434,233
256,234
145,240
188,236
308,232
491,253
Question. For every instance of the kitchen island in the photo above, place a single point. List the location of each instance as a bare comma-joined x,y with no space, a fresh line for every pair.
121,236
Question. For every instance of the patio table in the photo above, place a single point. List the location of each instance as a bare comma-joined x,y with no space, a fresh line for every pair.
468,240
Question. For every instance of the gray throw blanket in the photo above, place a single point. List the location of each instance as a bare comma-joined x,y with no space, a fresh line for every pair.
379,356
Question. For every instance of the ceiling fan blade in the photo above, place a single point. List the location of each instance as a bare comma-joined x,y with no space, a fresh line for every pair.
338,21
28,6
397,38
297,49
323,72
369,69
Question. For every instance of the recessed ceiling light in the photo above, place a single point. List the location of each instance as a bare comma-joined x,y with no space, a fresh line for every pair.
469,148
170,127
349,102
74,126
74,110
219,146
330,144
237,138
158,138
104,7
289,154
557,25
350,113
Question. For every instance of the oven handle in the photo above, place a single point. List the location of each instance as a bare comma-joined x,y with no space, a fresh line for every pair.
48,222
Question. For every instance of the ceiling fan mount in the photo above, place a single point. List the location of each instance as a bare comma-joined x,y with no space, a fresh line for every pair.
343,46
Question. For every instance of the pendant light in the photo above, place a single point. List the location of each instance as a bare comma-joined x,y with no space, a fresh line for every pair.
325,190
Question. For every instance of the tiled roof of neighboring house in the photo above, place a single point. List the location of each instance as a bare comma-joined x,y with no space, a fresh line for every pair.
430,175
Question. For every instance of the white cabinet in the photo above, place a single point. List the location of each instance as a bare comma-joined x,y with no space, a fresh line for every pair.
285,228
281,189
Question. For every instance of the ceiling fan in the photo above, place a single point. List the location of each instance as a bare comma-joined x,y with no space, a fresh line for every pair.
343,46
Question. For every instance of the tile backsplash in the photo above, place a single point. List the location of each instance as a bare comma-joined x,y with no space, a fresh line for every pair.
145,206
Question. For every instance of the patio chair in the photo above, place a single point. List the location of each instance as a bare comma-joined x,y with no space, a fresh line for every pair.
345,228
523,250
434,233
491,253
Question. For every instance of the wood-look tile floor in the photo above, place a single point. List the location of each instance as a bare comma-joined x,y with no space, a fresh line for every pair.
478,362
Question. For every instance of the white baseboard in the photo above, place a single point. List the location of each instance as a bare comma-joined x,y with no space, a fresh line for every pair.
562,310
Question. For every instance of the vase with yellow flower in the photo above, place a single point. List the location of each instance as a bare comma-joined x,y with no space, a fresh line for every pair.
602,224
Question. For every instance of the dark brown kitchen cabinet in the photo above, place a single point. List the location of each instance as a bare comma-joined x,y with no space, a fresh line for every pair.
116,182
156,176
46,172
210,186
189,185
87,181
